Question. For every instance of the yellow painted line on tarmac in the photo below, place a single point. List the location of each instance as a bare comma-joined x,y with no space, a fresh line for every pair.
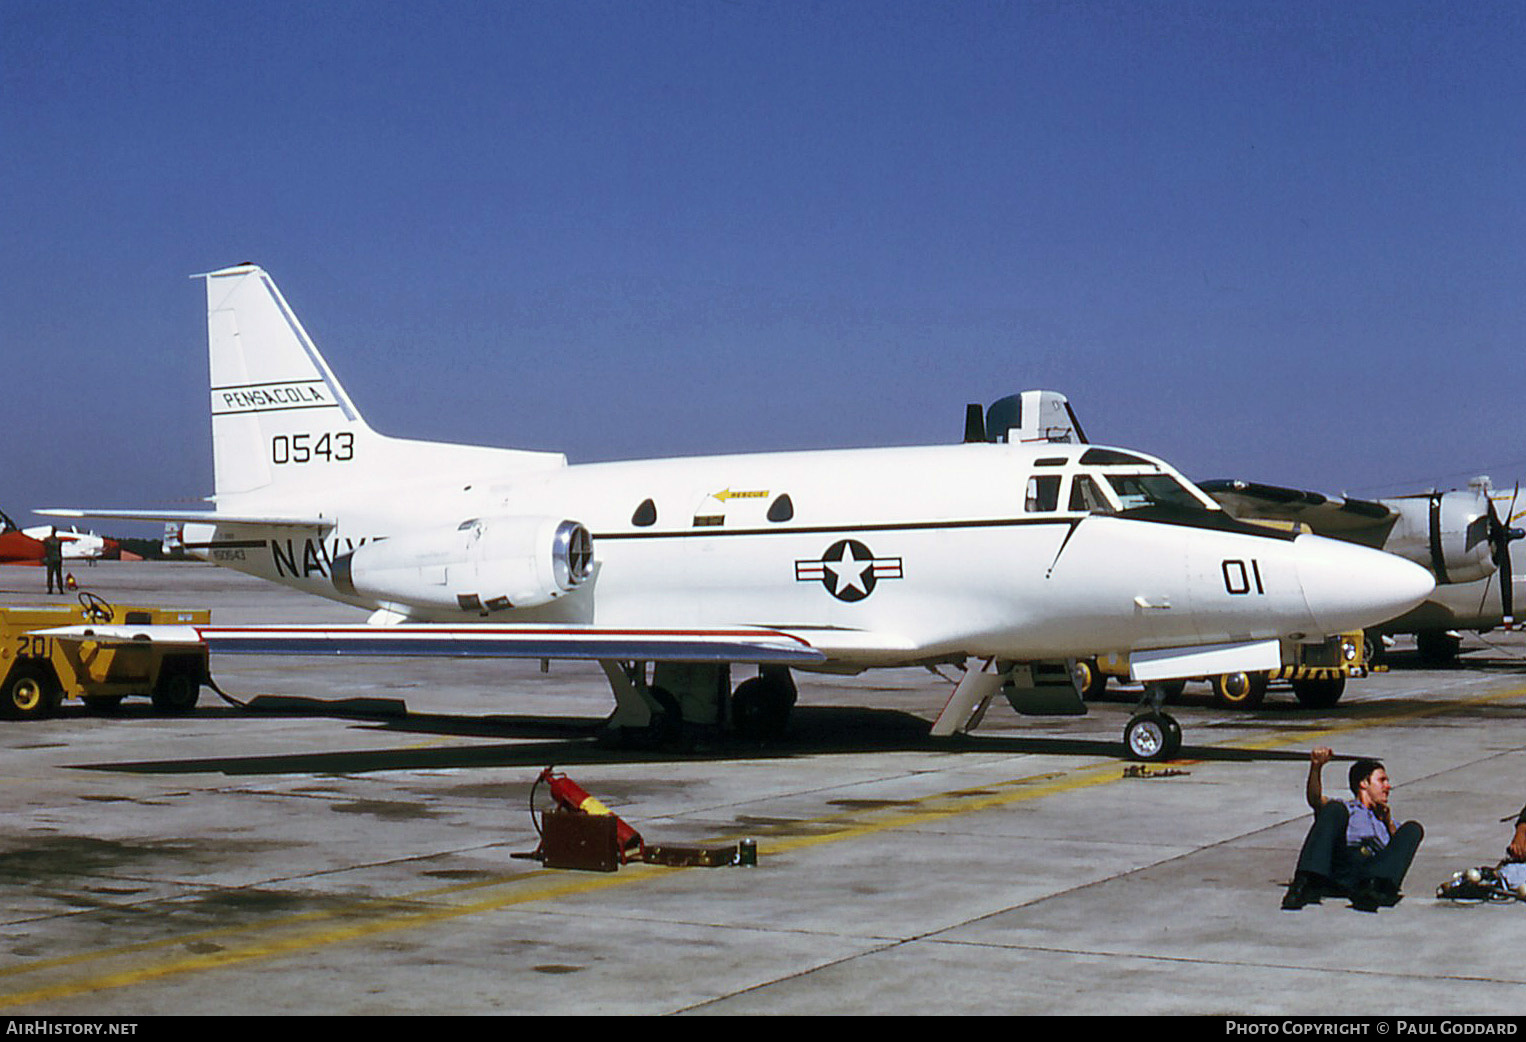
289,935
933,809
335,930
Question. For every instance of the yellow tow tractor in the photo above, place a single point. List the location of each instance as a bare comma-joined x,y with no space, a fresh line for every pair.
40,671
1316,671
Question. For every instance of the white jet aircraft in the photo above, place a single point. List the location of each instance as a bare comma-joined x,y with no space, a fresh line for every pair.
1008,559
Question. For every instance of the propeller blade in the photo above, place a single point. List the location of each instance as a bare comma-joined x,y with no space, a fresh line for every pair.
1507,585
1501,536
1507,580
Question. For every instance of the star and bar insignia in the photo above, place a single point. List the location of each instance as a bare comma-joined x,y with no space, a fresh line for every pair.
849,570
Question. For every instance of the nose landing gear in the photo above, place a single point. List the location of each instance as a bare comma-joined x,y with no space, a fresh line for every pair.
1151,734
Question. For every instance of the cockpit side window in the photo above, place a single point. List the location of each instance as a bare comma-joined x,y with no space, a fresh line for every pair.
1043,494
1086,497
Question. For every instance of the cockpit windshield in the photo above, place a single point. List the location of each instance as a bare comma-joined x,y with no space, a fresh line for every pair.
1143,490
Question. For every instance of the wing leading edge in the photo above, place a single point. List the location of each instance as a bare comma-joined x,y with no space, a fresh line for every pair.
751,645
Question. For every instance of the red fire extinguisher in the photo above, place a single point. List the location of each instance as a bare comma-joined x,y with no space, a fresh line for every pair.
572,796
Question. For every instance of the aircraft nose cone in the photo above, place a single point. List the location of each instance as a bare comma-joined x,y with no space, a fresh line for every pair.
1349,587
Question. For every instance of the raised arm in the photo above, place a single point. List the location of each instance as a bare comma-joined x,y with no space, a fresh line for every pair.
1314,792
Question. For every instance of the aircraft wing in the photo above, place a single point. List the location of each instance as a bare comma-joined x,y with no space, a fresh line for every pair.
1361,521
447,640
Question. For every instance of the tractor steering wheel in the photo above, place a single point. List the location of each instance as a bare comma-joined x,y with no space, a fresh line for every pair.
97,609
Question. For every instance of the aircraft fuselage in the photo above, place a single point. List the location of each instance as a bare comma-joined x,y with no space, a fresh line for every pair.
885,555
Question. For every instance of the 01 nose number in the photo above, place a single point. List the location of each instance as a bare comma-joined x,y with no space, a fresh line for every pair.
1240,578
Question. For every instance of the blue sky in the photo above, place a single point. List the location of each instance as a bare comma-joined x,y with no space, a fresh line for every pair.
1280,241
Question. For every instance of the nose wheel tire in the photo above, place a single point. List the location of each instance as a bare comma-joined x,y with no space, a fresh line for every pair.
1152,736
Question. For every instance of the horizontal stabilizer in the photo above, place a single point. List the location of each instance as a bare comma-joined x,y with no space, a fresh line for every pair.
425,640
196,517
1205,661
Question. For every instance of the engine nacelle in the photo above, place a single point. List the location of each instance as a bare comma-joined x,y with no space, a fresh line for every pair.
1447,532
483,565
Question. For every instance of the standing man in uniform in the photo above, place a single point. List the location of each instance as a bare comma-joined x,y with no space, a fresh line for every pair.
1354,848
53,559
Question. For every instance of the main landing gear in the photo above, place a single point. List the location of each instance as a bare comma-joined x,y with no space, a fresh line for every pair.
681,698
1151,733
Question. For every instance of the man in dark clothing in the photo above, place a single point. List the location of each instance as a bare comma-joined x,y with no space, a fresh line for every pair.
53,559
1353,848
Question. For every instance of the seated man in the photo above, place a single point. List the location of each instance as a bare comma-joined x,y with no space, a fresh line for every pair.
1353,847
1516,851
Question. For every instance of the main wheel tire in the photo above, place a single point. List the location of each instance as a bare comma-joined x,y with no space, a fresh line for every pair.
760,710
31,692
1239,690
1089,679
1319,693
1437,647
1377,651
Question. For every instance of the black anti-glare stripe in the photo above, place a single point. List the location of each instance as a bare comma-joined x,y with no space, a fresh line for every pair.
896,526
1212,520
232,544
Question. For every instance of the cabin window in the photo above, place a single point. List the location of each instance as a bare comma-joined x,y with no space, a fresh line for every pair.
1043,495
781,509
645,515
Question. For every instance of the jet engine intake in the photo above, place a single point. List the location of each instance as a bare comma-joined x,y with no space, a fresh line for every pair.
483,565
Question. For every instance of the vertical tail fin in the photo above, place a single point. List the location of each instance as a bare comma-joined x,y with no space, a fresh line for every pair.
285,435
278,412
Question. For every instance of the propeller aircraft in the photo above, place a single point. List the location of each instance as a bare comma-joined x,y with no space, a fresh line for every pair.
1461,536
